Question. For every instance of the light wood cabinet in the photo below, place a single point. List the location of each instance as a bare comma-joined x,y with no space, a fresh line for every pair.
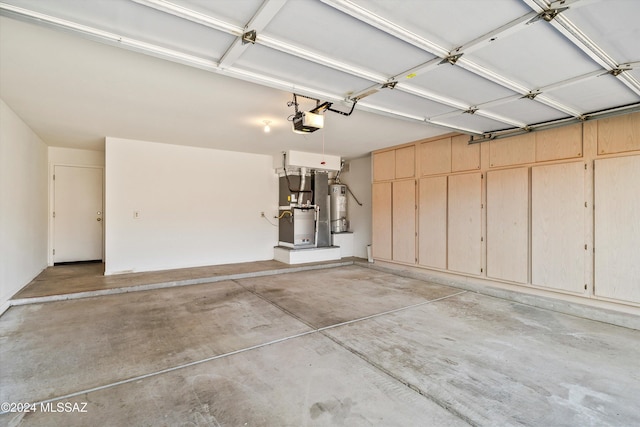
518,210
404,221
619,134
516,150
464,156
381,220
560,143
557,226
435,157
508,224
432,222
394,164
617,228
384,165
464,222
405,162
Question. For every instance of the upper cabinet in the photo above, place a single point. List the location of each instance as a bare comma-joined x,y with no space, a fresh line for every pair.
394,164
560,143
384,165
464,156
552,144
515,150
406,162
450,154
435,157
619,134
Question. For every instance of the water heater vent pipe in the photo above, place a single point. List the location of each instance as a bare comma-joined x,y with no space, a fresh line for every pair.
303,178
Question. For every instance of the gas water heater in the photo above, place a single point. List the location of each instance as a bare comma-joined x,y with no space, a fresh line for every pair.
338,203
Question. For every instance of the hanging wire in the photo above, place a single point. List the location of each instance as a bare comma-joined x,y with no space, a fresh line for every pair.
323,162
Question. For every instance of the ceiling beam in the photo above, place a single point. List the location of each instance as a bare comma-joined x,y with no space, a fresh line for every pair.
387,26
432,96
483,113
571,31
499,33
193,16
320,59
419,69
258,22
571,81
107,37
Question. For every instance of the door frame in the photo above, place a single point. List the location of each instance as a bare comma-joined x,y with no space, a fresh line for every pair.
51,230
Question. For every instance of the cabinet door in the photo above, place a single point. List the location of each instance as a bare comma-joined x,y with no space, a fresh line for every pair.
559,143
508,224
406,162
516,150
435,157
557,226
432,222
464,156
617,228
384,165
381,220
404,221
619,134
465,223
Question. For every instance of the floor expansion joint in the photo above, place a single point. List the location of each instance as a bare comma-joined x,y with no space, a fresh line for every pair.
257,346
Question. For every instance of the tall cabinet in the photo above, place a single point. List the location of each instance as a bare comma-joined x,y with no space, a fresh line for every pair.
394,205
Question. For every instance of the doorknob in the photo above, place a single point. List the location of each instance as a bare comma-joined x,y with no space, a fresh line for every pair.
98,219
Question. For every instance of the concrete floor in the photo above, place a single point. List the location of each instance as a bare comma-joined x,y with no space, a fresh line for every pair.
335,346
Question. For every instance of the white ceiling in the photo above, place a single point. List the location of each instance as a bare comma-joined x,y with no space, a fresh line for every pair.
177,71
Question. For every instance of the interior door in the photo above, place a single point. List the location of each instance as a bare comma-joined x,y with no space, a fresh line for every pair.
77,214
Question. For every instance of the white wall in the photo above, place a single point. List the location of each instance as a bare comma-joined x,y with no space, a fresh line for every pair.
23,204
359,181
75,157
197,206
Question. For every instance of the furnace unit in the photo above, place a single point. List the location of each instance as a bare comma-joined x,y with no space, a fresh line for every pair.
303,210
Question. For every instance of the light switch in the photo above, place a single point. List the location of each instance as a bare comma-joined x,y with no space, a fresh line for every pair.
136,215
